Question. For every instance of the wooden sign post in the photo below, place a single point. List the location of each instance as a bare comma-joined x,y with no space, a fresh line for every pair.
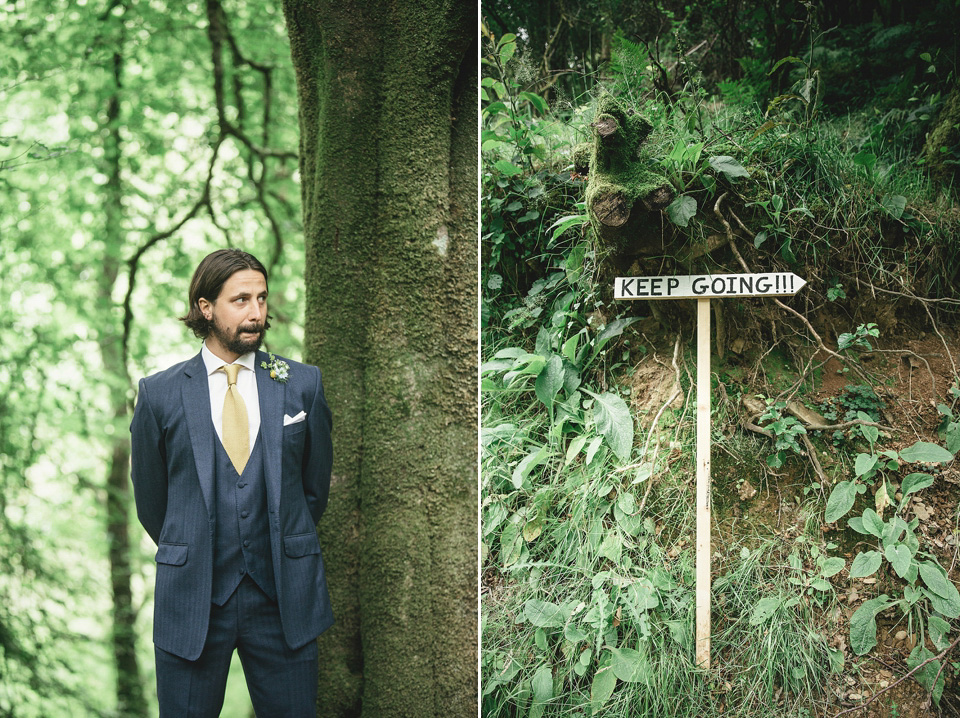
702,287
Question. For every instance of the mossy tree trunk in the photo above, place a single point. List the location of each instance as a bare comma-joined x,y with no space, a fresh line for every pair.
387,96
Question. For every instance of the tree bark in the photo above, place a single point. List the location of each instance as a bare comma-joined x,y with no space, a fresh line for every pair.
387,100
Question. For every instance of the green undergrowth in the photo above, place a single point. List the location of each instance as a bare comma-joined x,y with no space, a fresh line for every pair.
587,514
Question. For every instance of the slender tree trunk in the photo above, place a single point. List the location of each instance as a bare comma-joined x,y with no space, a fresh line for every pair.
131,700
388,168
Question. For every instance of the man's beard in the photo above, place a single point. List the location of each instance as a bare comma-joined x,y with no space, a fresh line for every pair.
233,342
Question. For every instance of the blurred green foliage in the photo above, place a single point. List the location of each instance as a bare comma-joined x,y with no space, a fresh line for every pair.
130,147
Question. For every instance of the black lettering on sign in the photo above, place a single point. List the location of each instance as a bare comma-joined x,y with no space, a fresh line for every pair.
655,290
763,285
625,289
713,285
672,283
776,279
642,290
699,285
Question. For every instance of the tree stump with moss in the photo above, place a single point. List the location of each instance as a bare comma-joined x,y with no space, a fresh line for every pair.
625,192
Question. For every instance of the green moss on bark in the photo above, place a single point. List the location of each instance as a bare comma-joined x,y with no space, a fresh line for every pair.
388,98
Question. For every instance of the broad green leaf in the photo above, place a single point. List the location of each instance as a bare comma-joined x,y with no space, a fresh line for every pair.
899,557
682,210
614,422
832,566
840,501
729,166
856,523
511,544
574,634
630,666
865,564
507,51
643,595
873,523
574,448
926,452
550,380
592,448
764,609
611,546
914,482
894,204
604,681
863,624
507,168
543,614
939,584
508,37
929,673
939,630
864,463
948,607
542,687
565,223
528,463
535,100
865,159
611,330
953,437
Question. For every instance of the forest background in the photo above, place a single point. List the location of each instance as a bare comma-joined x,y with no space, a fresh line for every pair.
648,139
135,138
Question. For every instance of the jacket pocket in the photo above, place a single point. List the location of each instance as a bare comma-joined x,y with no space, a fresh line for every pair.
300,545
173,554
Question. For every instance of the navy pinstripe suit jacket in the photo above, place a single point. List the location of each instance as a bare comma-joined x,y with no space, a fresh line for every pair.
173,472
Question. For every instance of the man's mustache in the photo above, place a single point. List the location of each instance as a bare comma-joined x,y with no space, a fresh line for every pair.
253,329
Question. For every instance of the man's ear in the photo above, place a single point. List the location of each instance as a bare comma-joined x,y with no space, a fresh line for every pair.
206,308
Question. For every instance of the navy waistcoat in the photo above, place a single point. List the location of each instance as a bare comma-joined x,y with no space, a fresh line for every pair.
242,543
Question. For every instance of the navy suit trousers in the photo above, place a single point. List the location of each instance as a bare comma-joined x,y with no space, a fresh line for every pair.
282,682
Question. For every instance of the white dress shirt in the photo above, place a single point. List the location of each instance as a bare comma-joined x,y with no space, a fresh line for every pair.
246,384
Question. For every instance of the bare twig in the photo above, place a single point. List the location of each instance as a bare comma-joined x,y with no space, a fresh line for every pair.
916,668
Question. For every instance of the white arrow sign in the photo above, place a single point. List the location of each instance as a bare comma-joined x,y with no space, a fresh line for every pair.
702,286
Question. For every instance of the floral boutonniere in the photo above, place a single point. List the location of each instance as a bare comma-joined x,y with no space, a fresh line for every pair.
279,369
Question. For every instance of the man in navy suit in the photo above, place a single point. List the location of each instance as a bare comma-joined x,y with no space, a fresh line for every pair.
231,457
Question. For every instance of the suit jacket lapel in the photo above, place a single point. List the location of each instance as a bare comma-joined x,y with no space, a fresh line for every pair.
196,407
271,393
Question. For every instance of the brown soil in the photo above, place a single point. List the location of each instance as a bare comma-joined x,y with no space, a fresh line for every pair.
912,375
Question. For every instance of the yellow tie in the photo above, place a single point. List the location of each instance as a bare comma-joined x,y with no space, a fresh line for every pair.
236,429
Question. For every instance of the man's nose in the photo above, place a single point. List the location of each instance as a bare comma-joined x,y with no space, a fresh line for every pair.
256,311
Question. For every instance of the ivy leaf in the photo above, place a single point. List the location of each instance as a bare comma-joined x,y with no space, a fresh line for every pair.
614,422
840,501
728,166
926,452
863,624
865,564
681,210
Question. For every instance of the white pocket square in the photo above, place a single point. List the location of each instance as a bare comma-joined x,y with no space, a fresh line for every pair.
287,420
